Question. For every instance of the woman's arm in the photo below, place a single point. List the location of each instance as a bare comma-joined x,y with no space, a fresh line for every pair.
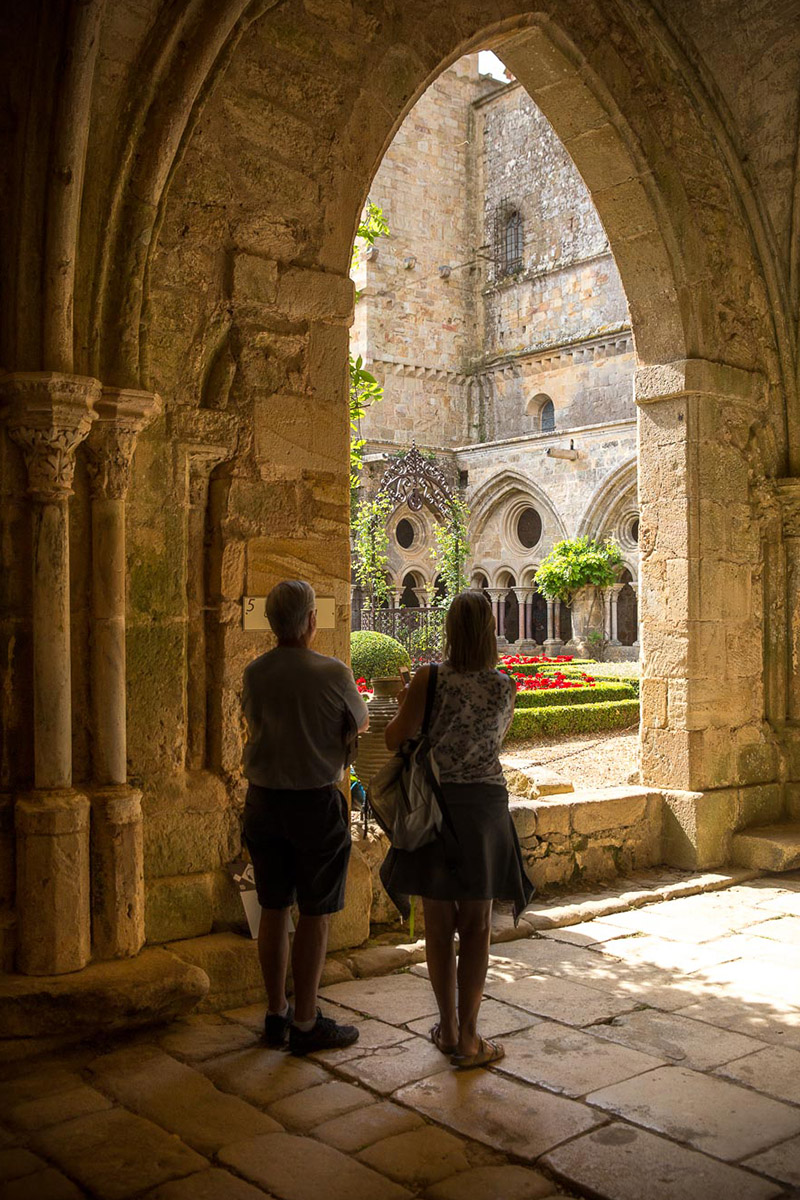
412,709
513,701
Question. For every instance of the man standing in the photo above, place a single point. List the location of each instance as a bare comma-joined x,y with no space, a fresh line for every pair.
300,707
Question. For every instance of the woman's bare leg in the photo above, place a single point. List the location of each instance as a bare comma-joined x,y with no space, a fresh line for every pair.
474,924
440,928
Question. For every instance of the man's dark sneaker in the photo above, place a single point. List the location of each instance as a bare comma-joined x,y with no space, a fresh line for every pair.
325,1035
276,1028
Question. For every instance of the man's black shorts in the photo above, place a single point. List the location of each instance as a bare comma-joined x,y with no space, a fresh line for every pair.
300,846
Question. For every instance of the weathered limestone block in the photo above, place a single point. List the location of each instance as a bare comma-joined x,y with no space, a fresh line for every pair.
192,830
698,827
117,871
7,846
373,849
350,927
154,986
305,295
255,280
611,808
53,881
230,962
226,904
179,906
765,805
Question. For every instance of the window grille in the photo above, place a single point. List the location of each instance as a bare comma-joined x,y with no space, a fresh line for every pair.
508,239
547,417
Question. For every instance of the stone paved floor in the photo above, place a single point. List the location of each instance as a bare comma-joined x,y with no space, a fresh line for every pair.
594,760
652,1054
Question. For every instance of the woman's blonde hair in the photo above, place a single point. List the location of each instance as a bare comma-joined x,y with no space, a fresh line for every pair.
470,637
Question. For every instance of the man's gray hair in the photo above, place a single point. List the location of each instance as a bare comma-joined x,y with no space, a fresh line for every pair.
289,605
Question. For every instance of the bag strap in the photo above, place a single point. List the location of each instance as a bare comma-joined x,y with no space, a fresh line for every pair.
429,698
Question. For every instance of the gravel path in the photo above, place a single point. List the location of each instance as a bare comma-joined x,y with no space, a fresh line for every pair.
589,760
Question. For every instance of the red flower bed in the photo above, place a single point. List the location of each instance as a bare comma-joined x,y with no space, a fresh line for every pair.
545,683
363,686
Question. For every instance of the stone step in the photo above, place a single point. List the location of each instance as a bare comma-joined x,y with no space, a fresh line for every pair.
536,783
768,847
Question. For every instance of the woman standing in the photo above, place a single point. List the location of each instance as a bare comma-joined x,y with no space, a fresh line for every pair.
476,857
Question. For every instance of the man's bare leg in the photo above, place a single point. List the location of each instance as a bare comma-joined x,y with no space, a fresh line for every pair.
273,955
308,959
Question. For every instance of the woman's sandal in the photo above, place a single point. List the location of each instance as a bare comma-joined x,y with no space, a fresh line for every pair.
487,1053
441,1046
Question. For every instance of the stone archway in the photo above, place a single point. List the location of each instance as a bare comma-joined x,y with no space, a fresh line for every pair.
202,193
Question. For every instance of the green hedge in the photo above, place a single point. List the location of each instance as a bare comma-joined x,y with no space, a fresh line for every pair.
374,655
569,719
582,664
607,690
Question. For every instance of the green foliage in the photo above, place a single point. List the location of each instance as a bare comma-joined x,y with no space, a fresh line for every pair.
372,226
571,670
452,549
370,545
569,719
374,655
576,563
569,696
425,643
364,392
364,387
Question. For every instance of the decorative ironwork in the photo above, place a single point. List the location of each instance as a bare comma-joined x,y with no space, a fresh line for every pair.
415,480
420,630
508,239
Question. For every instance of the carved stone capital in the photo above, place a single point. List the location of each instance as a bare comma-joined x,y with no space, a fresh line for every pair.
48,416
203,438
122,414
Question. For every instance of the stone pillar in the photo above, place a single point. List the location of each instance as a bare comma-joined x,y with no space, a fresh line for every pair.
553,644
614,592
789,496
201,464
48,416
634,586
607,619
525,601
117,857
702,608
422,596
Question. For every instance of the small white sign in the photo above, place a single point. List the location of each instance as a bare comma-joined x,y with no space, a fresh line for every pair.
254,613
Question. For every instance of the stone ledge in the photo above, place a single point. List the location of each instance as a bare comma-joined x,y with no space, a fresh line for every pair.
155,986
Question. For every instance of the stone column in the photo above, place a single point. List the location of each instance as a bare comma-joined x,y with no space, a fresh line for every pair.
614,591
525,601
607,619
501,613
702,607
634,586
553,644
48,416
789,497
117,858
422,596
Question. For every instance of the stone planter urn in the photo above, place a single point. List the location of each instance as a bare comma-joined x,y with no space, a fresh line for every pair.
372,752
587,615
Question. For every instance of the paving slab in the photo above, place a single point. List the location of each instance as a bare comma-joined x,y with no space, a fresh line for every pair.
390,1067
195,1040
393,998
775,1071
63,1106
178,1098
785,902
710,1114
499,1111
622,1163
43,1185
679,1039
16,1161
771,982
262,1076
36,1085
418,1158
586,933
777,1024
303,1110
779,928
559,999
781,1162
495,1020
213,1184
378,1121
296,1168
115,1154
372,1035
491,1183
570,1061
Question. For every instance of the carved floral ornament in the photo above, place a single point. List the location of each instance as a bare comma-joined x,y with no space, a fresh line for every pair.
123,414
414,480
48,416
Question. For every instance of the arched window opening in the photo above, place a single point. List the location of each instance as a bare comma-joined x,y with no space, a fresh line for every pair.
547,417
409,598
441,590
509,239
404,533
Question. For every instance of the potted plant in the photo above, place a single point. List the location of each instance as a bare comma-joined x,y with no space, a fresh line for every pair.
574,572
377,658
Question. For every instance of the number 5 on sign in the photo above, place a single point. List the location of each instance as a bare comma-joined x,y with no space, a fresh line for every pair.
254,613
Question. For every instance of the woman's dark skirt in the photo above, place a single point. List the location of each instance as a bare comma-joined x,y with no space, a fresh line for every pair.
476,856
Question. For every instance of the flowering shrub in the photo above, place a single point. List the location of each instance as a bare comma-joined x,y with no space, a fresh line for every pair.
544,683
363,686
